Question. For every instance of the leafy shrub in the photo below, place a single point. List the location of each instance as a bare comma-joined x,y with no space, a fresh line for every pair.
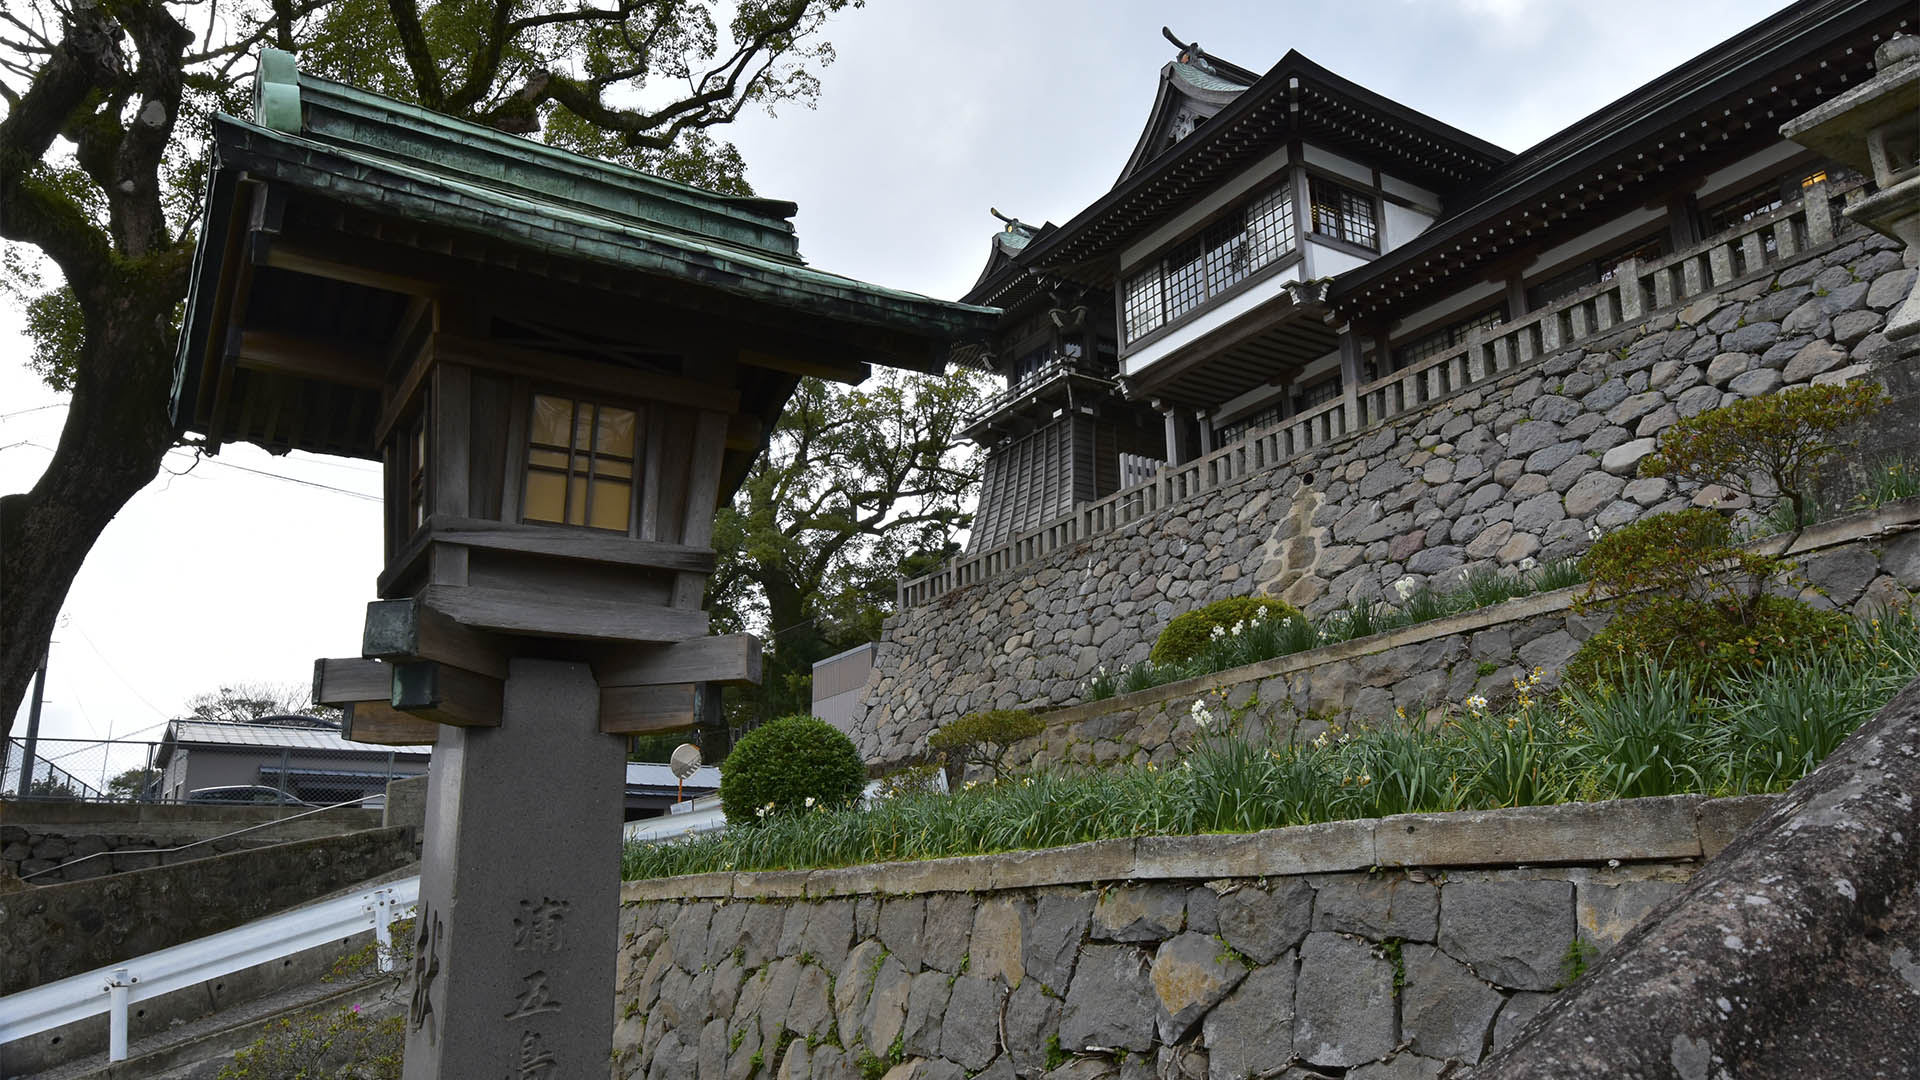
983,738
790,764
1767,447
1690,554
1189,633
1703,641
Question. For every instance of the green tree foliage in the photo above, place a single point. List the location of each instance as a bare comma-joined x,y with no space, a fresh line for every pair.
249,702
984,738
130,785
102,170
1689,555
1189,632
859,487
1685,592
1764,447
789,766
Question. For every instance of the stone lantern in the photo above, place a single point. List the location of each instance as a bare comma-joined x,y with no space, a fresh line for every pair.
563,367
1875,127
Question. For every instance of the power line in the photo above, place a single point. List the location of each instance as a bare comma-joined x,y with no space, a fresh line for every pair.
35,409
295,480
116,671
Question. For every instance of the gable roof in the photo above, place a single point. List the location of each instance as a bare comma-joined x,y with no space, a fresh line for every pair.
1296,98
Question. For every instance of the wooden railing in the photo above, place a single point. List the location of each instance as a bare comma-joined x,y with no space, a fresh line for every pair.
1634,290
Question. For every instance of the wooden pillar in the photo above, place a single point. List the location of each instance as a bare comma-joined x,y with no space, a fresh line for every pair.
1174,448
1206,431
1350,375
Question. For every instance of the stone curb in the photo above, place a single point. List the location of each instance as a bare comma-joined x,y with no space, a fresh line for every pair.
1629,830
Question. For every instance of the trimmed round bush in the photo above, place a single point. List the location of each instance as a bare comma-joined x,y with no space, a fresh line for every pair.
1188,634
1703,641
786,762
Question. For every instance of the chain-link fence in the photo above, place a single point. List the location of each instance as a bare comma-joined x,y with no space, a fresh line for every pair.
274,767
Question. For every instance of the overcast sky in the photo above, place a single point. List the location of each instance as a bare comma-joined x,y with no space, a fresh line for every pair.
932,113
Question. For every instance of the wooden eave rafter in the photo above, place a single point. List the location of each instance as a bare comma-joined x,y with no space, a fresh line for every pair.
1635,151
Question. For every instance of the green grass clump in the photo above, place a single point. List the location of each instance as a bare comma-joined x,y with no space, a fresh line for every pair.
1654,731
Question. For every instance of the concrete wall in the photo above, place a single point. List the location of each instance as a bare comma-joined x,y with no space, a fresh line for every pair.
1387,947
59,930
1521,468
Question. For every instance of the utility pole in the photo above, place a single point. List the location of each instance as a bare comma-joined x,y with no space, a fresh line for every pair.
33,727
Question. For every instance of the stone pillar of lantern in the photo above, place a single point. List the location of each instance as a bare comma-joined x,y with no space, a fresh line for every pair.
521,869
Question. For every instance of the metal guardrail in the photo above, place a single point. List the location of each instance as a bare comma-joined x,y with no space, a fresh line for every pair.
116,987
1635,290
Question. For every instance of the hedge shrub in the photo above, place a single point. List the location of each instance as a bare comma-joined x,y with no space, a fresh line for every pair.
786,762
1189,633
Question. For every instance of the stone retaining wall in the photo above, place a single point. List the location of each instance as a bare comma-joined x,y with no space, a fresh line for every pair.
58,842
55,931
1854,563
1385,947
1521,468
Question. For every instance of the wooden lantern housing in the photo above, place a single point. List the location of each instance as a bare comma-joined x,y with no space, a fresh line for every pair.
563,365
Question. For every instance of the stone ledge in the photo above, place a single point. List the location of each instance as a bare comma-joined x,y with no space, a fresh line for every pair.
1629,830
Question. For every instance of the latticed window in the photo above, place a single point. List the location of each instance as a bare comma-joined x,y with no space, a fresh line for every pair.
1445,338
1318,393
1227,252
580,458
1343,213
417,472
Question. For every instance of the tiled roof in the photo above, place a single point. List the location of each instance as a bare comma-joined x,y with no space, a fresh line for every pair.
222,733
646,774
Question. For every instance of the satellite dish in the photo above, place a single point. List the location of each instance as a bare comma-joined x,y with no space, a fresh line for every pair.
686,758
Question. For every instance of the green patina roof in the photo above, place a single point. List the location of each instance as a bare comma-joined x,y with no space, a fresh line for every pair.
387,156
1205,80
347,117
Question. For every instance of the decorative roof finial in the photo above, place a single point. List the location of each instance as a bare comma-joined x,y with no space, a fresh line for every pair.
1014,224
1190,52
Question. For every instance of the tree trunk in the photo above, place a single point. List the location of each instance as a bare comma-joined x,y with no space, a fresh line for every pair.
116,433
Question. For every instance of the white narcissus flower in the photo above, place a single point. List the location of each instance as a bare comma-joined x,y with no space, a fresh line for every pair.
1201,717
1219,632
1405,587
810,802
1528,563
